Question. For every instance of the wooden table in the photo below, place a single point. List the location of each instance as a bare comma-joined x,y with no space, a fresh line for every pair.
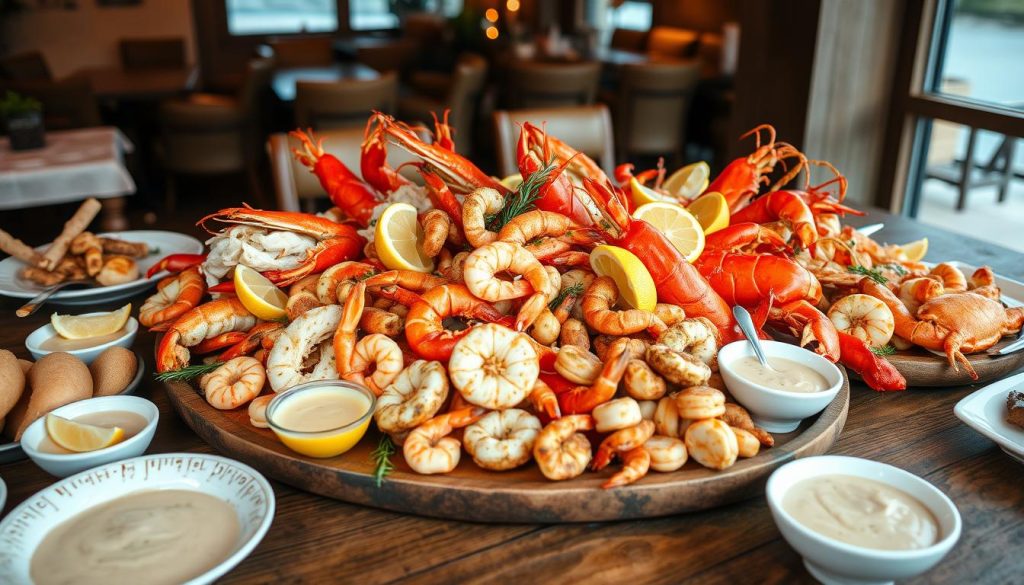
285,80
317,539
139,84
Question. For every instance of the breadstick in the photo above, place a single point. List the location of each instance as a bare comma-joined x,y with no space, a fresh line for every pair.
124,247
74,226
19,249
88,245
40,276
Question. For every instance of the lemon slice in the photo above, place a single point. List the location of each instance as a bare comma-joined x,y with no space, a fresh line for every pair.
398,239
643,195
636,287
689,181
84,327
915,250
678,225
260,296
80,437
711,210
512,181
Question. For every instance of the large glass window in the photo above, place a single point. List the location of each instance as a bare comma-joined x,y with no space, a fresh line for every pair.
633,15
261,17
384,14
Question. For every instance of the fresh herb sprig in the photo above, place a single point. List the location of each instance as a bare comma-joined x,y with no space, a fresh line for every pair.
574,290
522,200
901,271
382,459
872,273
187,373
887,349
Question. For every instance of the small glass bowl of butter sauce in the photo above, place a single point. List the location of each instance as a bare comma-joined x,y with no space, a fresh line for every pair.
323,418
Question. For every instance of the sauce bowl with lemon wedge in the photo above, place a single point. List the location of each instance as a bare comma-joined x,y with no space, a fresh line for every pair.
47,339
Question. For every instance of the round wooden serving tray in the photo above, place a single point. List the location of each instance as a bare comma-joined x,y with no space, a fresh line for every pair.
521,495
923,368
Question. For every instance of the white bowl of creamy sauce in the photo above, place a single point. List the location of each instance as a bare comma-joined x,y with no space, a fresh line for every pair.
46,340
859,521
799,384
158,519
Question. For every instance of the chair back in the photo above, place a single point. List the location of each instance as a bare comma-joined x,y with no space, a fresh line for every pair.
464,94
671,42
343,104
67,104
397,55
255,85
302,51
297,188
587,129
29,66
201,140
168,53
651,108
626,39
551,85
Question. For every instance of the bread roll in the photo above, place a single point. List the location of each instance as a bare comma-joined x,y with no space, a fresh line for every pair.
25,365
112,370
12,382
55,380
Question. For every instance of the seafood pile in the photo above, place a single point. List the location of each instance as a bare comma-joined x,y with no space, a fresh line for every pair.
508,334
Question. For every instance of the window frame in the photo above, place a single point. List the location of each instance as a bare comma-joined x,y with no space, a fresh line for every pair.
340,5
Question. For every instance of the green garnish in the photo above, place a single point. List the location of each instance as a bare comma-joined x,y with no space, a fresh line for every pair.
522,200
887,349
382,459
871,273
574,290
187,373
894,267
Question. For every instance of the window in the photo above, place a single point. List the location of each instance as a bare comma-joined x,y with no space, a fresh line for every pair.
261,17
633,15
381,14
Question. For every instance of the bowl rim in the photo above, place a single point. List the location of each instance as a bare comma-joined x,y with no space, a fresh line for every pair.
281,397
131,328
940,546
799,396
151,423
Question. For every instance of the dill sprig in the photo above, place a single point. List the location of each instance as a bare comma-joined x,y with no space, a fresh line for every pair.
887,349
187,373
574,290
522,200
872,273
894,267
382,459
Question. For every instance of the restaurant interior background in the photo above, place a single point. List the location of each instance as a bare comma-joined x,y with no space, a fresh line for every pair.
925,123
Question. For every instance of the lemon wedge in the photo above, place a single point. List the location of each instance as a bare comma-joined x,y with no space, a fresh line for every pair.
642,195
678,225
915,250
711,210
689,181
512,181
81,437
86,326
260,296
636,287
398,239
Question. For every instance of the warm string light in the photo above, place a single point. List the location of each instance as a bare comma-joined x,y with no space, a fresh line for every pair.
492,32
491,15
512,5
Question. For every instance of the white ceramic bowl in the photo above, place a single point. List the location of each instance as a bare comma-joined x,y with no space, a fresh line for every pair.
63,465
833,561
237,484
775,410
32,342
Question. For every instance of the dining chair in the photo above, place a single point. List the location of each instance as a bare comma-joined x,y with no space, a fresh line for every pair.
297,189
302,51
550,85
29,66
459,92
671,42
396,56
166,53
651,108
587,129
67,104
344,104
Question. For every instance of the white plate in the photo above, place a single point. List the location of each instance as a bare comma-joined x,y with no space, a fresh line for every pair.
3,494
985,412
237,484
12,285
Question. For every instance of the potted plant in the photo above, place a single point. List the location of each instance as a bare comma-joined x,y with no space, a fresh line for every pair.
23,118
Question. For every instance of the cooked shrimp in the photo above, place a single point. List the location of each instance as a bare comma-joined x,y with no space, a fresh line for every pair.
577,279
416,394
597,303
531,225
560,450
407,279
637,347
494,367
502,439
669,314
615,415
234,383
332,279
380,321
574,332
299,303
475,209
647,409
300,339
258,411
543,400
747,444
173,297
621,441
635,464
915,292
864,317
345,335
737,416
428,449
982,277
436,225
545,328
485,263
642,382
584,398
577,365
953,280
696,336
676,367
667,453
712,443
379,353
667,420
697,402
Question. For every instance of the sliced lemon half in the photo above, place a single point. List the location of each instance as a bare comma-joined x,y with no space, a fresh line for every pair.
642,194
636,287
398,239
260,296
679,226
512,181
711,210
81,437
689,181
915,250
86,326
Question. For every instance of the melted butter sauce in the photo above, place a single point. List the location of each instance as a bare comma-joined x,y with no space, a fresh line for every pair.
789,376
321,409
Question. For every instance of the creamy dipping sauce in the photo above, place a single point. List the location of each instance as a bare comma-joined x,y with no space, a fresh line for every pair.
153,537
58,343
131,422
321,409
790,377
862,512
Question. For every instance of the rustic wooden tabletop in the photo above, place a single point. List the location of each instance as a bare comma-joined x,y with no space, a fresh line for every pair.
317,539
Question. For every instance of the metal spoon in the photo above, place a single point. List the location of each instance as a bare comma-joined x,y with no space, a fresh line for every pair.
40,299
747,327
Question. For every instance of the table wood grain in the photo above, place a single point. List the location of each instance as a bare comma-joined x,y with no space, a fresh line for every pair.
315,539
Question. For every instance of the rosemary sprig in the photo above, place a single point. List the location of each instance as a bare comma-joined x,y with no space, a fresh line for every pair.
522,200
871,273
574,290
894,267
187,373
887,349
382,459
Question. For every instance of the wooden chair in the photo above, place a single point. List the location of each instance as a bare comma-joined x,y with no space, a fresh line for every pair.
396,56
29,66
168,53
344,104
588,129
551,85
458,92
651,108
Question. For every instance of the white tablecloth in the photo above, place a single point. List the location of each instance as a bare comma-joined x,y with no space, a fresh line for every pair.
73,165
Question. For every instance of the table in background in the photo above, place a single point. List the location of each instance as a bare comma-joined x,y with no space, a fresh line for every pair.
285,80
114,83
317,539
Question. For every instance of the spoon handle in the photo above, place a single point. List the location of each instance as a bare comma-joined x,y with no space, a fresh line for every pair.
747,326
33,305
